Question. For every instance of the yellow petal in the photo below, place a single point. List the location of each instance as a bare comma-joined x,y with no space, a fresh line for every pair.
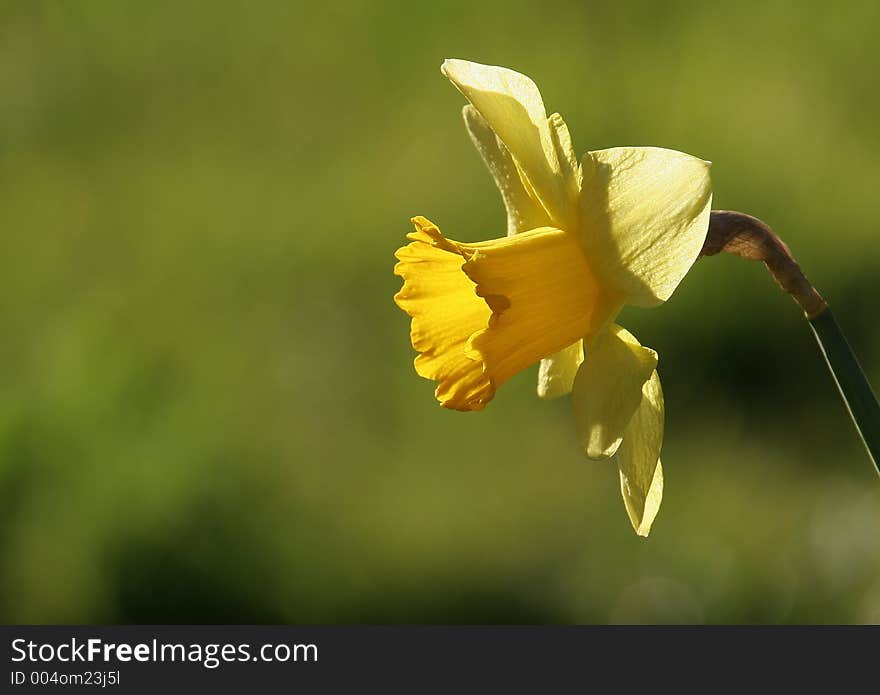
523,210
568,163
512,106
557,372
543,296
645,215
445,312
608,389
641,475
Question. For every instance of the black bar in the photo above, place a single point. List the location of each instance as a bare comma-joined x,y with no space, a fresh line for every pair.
450,659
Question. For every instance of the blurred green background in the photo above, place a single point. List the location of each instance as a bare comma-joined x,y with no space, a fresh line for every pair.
208,410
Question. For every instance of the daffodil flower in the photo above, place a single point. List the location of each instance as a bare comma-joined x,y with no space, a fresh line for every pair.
622,226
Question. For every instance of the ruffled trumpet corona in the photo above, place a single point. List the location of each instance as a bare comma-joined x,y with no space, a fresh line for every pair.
622,226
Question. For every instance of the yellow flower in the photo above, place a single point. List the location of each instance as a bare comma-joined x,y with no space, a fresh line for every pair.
622,226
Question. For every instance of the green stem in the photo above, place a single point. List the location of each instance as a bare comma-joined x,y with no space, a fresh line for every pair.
851,381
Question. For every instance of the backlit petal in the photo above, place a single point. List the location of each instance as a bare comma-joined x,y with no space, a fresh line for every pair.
645,216
568,163
641,475
523,210
556,373
608,389
512,106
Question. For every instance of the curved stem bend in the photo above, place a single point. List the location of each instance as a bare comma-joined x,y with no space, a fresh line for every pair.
748,237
